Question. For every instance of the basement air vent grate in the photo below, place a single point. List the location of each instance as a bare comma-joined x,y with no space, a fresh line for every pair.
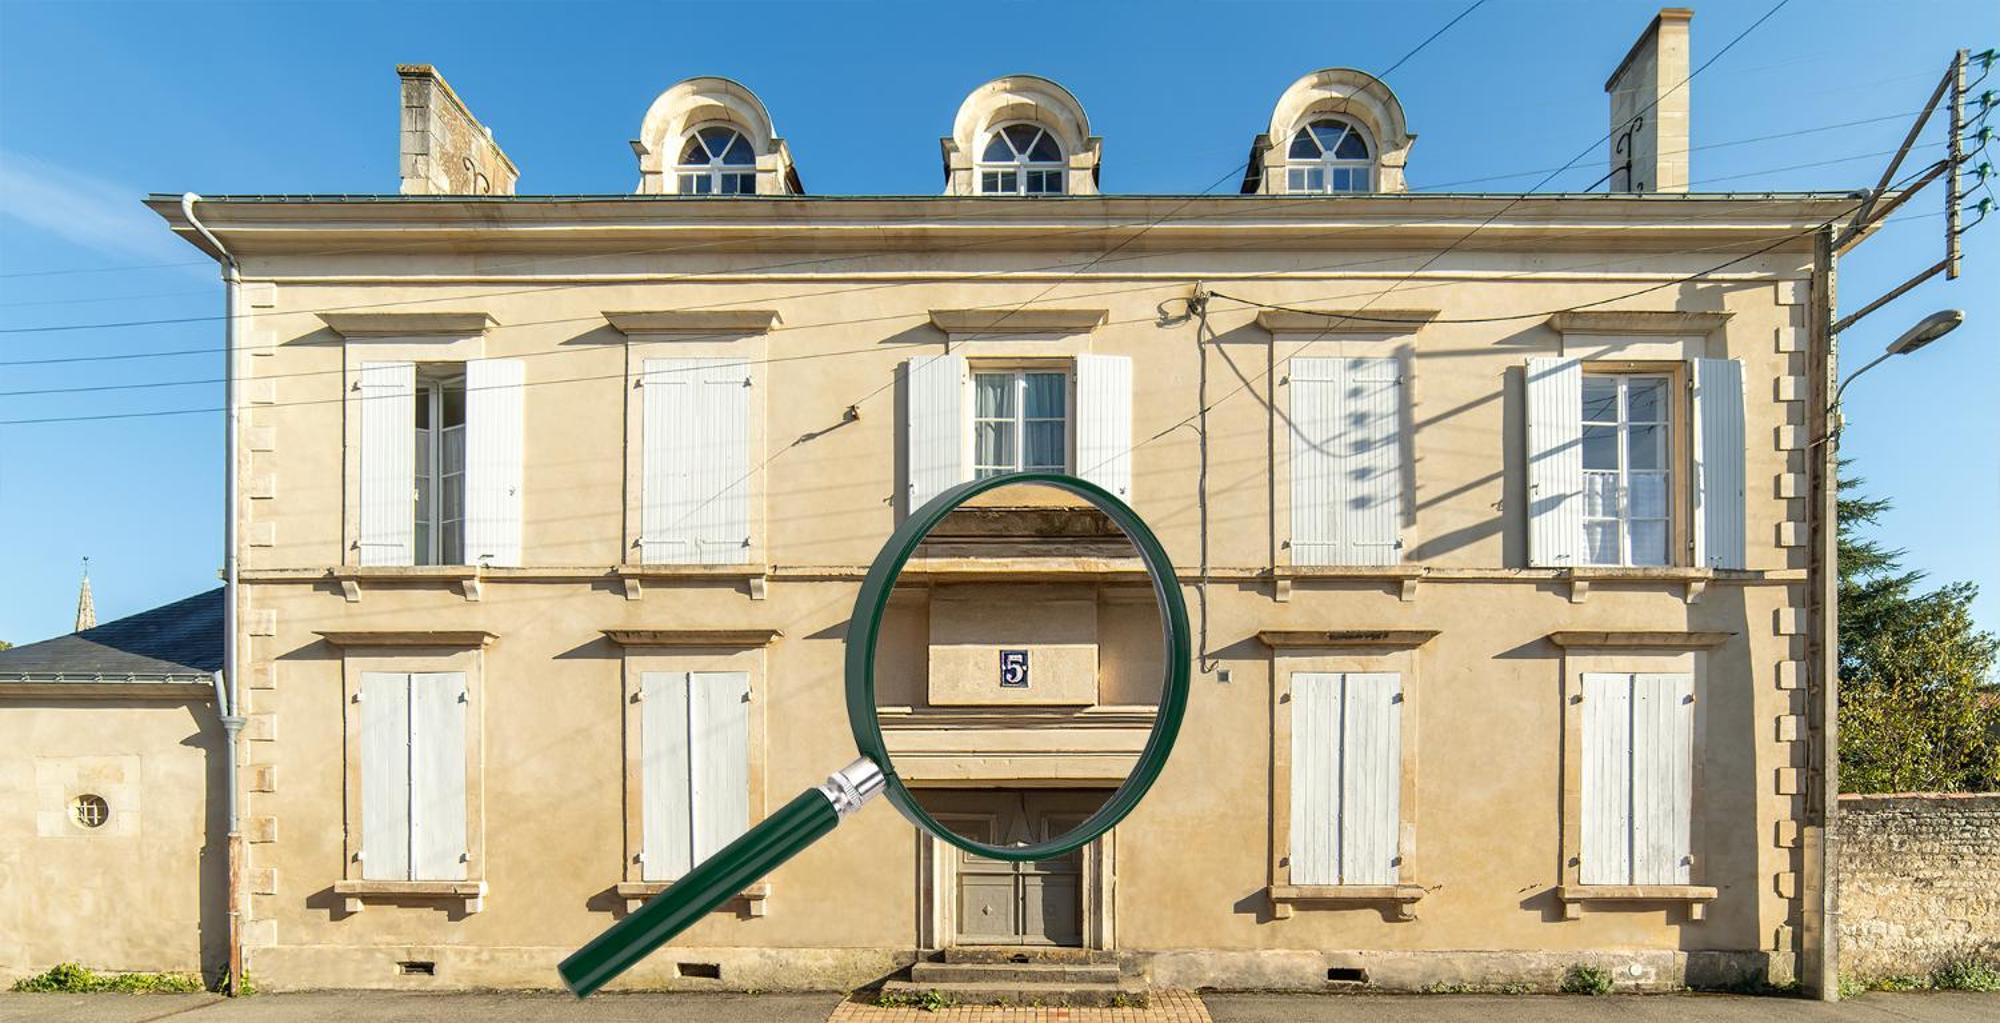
1346,975
706,971
417,968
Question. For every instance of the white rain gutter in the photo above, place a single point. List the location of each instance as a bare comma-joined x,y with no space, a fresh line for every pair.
228,688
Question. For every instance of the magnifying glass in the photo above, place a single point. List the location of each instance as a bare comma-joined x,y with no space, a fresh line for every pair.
1017,670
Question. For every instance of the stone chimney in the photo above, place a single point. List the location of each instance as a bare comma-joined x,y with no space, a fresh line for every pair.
1649,108
446,151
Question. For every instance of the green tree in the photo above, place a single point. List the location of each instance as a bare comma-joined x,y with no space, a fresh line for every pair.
1918,709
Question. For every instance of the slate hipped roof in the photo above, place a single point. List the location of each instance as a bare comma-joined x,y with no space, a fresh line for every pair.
177,642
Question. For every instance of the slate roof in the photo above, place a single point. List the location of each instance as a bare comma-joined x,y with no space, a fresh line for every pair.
179,642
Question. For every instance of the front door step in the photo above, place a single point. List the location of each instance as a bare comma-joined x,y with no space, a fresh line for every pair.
1126,991
1027,954
1021,976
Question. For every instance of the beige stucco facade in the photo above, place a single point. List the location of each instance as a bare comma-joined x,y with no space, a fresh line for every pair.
826,299
143,886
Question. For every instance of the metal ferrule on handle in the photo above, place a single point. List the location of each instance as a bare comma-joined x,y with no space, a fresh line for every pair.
721,877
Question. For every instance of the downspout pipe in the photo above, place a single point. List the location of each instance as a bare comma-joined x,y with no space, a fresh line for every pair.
228,684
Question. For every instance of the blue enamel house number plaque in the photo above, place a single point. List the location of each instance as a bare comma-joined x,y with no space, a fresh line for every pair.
1013,669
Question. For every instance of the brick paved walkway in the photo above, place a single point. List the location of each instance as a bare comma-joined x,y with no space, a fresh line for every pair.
1166,1007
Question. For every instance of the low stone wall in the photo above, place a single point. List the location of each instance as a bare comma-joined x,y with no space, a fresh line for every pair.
1919,879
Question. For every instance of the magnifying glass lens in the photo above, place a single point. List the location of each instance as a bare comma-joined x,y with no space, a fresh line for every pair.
1019,671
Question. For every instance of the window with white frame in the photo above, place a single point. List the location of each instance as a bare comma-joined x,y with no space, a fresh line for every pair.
717,160
1329,155
440,471
1627,508
1021,159
1637,778
1020,422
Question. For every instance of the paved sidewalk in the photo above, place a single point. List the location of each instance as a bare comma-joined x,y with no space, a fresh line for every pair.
1165,1007
1878,1007
1169,1007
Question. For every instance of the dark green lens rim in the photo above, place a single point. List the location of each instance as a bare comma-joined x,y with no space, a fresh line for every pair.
865,629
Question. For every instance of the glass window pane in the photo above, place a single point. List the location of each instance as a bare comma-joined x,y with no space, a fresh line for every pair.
1600,447
993,445
1046,445
693,153
1648,492
1600,543
1600,399
423,453
1362,178
423,407
423,542
1649,543
1021,136
1600,495
1303,146
453,552
997,151
739,152
451,493
1644,444
717,138
993,395
1329,133
1047,394
1045,183
1343,180
1046,150
453,452
1353,147
1645,401
695,184
1295,180
454,406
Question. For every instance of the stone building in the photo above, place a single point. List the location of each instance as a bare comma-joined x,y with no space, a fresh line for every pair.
1523,477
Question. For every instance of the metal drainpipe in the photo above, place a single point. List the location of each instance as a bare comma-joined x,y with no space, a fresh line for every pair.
229,710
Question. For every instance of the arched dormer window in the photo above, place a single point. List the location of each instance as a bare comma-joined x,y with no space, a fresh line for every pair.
716,160
1329,155
1021,159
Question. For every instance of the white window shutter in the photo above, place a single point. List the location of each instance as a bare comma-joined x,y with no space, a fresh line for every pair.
1315,777
1719,476
388,393
1368,488
1662,777
935,436
1606,825
695,506
1555,462
666,812
494,396
1371,753
722,464
719,758
385,775
1315,464
1104,422
438,848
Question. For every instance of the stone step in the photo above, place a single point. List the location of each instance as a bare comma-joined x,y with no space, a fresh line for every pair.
1026,954
1128,991
1009,973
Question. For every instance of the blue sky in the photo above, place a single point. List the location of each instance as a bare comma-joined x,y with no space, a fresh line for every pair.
103,103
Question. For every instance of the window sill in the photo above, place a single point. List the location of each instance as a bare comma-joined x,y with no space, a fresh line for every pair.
750,902
1575,896
356,893
1403,897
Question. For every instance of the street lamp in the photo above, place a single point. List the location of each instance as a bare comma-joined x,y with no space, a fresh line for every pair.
1926,330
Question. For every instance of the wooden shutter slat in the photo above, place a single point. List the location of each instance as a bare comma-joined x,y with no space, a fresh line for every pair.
1662,776
719,758
388,413
1368,483
1606,824
935,433
494,431
1371,778
1315,781
1719,474
665,811
1315,463
1104,422
437,776
385,776
1555,462
721,512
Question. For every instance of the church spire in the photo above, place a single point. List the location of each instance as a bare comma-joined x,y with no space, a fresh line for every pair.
86,608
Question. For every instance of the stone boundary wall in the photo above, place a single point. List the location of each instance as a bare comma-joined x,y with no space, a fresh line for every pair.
1919,879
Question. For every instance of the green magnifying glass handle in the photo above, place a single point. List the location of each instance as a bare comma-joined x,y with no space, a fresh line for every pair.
720,878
